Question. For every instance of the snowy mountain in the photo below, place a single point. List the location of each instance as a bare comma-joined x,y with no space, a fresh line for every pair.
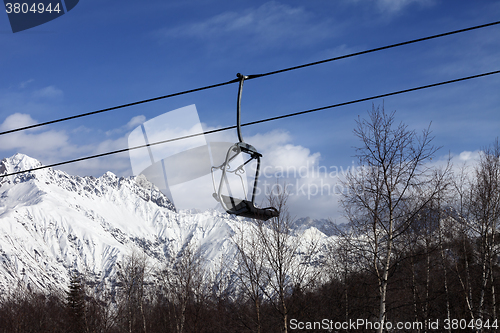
326,226
52,223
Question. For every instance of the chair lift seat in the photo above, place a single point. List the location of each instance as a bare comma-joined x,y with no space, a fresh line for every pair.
241,207
246,208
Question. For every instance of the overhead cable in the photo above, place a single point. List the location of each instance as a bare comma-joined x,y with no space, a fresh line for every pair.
375,49
249,78
258,122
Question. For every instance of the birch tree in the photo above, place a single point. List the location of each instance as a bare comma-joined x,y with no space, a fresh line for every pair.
485,212
132,275
385,194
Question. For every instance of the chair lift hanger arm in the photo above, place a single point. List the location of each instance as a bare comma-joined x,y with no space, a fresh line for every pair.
238,105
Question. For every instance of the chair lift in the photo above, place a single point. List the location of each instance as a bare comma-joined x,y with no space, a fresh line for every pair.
231,204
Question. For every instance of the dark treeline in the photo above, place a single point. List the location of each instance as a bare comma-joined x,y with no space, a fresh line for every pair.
421,246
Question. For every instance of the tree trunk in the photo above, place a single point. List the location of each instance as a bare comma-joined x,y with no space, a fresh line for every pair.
414,290
427,280
492,277
383,285
445,272
257,308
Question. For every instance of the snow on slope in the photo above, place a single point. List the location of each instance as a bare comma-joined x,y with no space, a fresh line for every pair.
52,223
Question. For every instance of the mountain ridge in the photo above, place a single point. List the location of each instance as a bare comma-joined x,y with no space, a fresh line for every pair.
52,223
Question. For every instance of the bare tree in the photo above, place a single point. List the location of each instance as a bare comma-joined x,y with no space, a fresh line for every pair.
250,270
340,263
132,275
462,268
288,257
447,222
102,311
484,208
184,284
383,197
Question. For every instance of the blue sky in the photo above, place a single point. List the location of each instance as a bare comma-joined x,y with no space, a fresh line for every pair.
104,53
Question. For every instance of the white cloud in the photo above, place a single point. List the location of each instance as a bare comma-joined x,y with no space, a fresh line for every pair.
133,123
17,120
468,156
49,92
52,146
394,6
23,84
51,143
116,163
271,24
280,153
82,129
136,121
37,102
398,5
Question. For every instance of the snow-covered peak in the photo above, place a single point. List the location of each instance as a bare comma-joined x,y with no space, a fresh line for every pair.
23,162
109,175
18,162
